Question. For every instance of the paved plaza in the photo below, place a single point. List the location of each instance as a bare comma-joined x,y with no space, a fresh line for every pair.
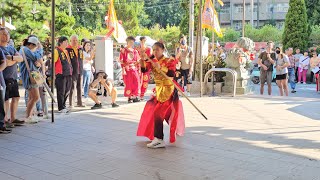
249,137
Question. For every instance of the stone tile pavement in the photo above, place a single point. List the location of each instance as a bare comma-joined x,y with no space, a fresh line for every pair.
246,138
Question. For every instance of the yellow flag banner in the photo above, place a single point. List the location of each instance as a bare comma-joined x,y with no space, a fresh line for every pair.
220,2
210,18
112,22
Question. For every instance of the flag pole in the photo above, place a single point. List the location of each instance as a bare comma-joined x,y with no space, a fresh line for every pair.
53,18
213,76
201,41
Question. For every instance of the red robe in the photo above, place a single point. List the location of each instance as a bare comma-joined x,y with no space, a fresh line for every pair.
164,105
129,60
145,77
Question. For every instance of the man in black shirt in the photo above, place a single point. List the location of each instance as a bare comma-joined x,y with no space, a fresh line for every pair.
266,61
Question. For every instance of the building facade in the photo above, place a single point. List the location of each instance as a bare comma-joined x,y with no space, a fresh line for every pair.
264,12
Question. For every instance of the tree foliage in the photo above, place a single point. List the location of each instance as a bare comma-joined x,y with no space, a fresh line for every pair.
313,11
296,32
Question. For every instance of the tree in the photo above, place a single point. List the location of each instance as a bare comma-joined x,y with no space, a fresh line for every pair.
313,11
296,33
163,13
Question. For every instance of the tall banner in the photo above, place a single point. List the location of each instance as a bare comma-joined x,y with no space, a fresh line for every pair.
112,22
210,18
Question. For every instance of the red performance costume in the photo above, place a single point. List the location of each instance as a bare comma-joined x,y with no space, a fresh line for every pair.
165,105
129,59
145,76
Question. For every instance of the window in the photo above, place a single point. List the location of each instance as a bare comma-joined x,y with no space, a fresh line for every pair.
280,24
238,8
225,9
278,8
238,25
255,8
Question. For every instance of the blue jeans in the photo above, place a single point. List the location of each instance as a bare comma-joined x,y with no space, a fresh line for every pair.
86,82
292,76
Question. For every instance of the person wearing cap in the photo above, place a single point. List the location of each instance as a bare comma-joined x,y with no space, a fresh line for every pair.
10,74
63,71
27,50
75,52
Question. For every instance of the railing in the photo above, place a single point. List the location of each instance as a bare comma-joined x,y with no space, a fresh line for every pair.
234,77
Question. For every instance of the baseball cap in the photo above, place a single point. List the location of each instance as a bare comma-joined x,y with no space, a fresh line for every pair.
33,40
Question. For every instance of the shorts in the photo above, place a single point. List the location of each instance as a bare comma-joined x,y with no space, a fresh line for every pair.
265,76
12,89
185,74
281,77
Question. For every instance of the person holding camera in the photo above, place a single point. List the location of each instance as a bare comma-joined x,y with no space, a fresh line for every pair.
185,55
266,61
105,83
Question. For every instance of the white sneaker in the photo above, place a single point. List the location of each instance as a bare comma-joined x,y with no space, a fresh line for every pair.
64,111
304,83
188,94
31,120
156,143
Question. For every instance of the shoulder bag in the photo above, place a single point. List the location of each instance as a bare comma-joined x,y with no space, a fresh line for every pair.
35,76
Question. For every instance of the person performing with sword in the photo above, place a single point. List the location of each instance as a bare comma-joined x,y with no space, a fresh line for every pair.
165,104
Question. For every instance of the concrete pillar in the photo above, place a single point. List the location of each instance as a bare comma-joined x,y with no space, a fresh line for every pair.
104,55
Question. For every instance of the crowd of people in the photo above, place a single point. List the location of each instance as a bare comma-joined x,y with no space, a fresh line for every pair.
74,76
291,68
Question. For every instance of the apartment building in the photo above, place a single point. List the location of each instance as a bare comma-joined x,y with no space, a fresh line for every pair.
264,11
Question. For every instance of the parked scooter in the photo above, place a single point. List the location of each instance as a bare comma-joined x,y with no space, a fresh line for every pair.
255,74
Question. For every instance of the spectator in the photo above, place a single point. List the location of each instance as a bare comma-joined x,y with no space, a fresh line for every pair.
314,65
88,56
303,67
291,70
63,72
75,53
282,63
144,50
10,74
3,129
297,57
185,55
29,46
105,83
266,61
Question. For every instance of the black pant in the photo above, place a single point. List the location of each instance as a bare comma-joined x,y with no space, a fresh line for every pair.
297,74
63,85
311,77
76,86
2,113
